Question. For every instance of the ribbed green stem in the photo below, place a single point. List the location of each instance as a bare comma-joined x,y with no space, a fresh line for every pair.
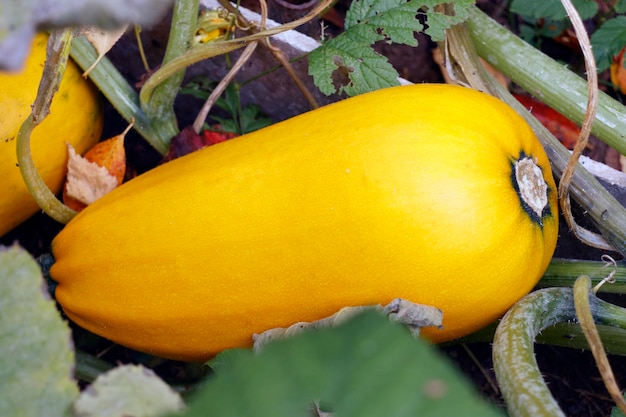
523,387
182,29
122,96
570,335
564,272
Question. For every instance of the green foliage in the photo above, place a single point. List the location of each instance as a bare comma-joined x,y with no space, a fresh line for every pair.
348,63
547,19
367,367
241,119
552,9
36,359
608,41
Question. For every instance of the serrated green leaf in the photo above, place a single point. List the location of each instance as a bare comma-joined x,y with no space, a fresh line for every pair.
552,9
370,21
36,359
395,20
128,390
367,367
355,66
608,41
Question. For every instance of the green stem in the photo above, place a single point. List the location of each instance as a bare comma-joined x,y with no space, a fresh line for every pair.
523,387
570,335
564,272
182,29
122,96
56,61
545,78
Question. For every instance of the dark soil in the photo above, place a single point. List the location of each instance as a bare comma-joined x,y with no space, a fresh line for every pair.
571,374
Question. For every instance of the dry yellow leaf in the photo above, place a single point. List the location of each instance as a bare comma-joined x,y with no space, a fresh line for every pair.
86,180
103,41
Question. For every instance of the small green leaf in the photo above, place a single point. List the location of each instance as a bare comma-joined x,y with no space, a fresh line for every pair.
36,356
128,391
396,19
345,64
348,64
552,9
608,41
367,367
252,119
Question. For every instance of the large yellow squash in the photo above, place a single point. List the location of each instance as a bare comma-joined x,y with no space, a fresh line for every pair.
75,117
437,194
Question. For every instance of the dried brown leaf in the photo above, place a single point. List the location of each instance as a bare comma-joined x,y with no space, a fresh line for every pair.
86,180
103,41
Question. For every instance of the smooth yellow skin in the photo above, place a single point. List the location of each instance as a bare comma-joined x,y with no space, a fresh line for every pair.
75,117
404,192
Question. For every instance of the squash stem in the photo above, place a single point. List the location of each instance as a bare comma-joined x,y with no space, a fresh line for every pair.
564,272
182,29
520,380
54,69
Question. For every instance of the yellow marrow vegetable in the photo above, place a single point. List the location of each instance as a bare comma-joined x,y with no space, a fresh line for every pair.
75,117
409,192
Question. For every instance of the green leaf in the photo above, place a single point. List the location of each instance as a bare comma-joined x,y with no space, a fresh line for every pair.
128,390
36,357
608,41
367,367
252,118
552,9
348,64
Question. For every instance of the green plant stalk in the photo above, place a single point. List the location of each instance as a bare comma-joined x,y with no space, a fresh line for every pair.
520,380
607,213
548,80
54,68
564,272
570,335
122,96
182,29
